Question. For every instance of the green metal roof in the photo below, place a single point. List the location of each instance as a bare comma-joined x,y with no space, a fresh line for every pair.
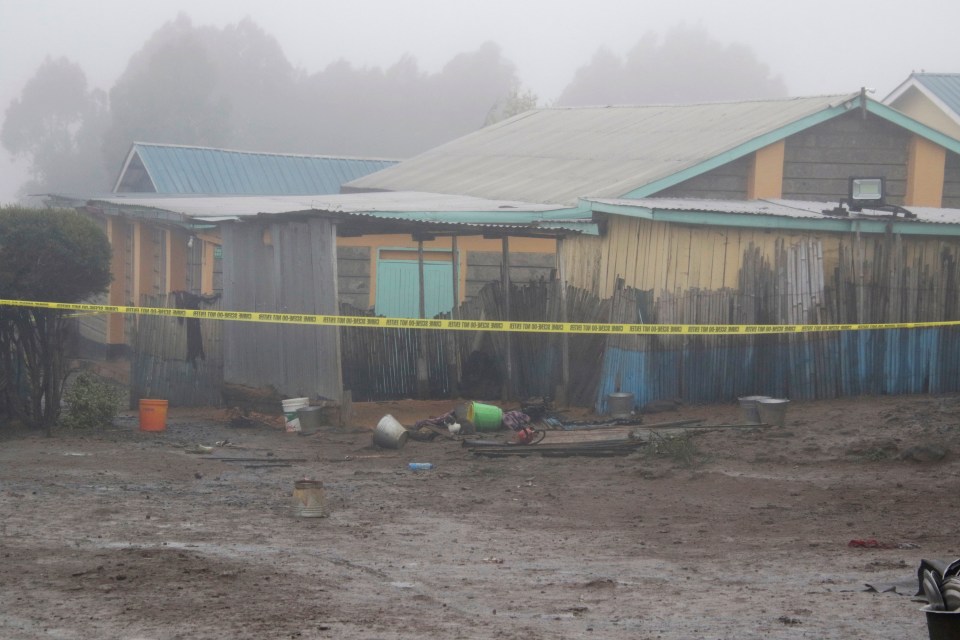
946,86
943,89
185,170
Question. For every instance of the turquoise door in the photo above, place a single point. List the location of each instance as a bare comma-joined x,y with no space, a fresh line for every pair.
398,288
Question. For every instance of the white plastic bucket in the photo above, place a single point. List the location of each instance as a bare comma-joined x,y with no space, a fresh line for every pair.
290,412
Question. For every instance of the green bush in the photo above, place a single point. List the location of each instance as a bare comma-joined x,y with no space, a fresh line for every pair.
91,403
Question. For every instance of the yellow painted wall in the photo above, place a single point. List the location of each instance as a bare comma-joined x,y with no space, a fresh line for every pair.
145,281
144,259
176,262
766,172
439,249
925,166
675,259
921,108
117,235
211,240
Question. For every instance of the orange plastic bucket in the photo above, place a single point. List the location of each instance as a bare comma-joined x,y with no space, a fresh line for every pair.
153,415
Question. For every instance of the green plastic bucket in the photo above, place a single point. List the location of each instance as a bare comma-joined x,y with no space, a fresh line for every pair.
485,417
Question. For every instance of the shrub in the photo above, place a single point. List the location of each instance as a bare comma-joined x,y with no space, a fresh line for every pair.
45,256
91,403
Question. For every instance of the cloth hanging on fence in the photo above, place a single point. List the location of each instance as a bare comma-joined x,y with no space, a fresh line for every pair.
187,300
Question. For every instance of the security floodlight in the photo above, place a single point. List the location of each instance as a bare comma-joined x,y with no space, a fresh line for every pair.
866,191
869,193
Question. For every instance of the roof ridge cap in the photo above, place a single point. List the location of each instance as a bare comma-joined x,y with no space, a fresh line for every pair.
261,153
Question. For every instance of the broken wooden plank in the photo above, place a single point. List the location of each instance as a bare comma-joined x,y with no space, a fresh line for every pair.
271,459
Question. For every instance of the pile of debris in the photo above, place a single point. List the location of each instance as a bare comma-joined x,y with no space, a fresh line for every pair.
535,428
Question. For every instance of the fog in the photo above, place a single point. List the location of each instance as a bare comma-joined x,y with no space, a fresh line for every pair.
559,51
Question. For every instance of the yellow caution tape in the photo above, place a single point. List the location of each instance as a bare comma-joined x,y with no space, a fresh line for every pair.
477,325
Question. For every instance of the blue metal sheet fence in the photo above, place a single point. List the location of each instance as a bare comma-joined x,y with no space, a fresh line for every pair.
802,367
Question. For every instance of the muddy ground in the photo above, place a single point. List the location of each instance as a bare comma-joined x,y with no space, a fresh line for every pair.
727,534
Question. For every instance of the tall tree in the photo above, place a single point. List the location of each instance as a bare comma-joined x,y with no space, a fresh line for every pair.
402,110
170,93
56,125
234,88
687,65
516,102
230,87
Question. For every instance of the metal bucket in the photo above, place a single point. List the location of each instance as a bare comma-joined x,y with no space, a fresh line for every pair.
309,499
310,419
748,407
620,405
389,433
942,625
773,411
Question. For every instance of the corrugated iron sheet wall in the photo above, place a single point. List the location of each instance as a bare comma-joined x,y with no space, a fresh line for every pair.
812,366
290,269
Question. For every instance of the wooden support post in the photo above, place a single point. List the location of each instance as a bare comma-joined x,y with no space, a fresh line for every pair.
345,396
560,395
508,387
423,377
117,231
453,351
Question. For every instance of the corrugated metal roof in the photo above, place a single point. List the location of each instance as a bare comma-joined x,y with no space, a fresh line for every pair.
560,154
945,86
175,169
777,207
402,206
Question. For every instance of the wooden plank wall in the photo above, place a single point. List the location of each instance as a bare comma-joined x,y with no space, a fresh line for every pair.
353,276
380,364
159,366
703,275
484,267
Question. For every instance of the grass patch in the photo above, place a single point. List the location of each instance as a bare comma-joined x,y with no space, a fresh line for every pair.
679,449
877,455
